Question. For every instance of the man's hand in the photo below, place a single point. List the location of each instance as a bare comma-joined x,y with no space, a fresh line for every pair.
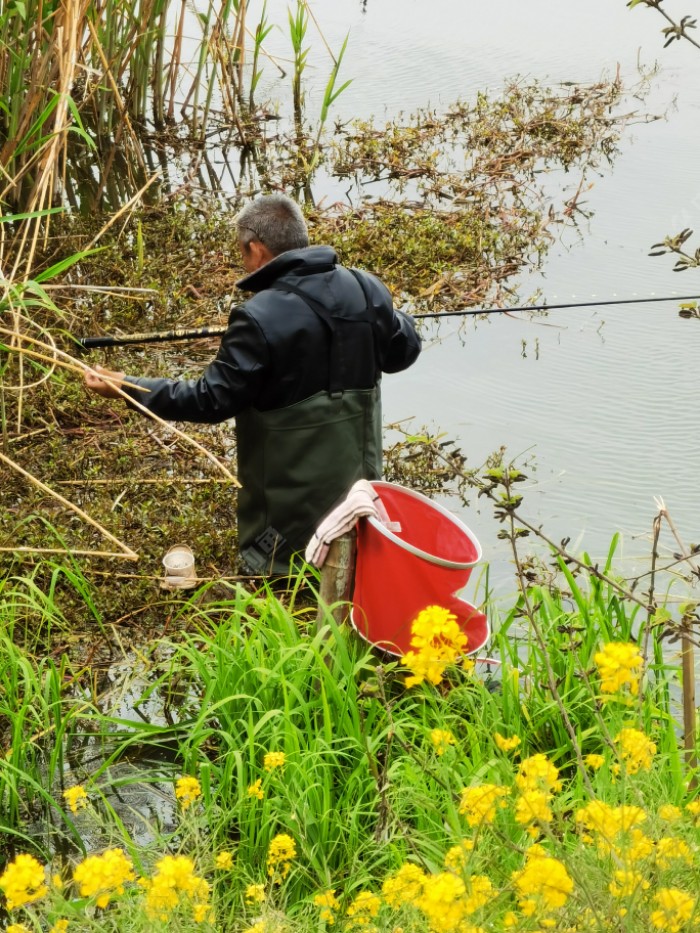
103,381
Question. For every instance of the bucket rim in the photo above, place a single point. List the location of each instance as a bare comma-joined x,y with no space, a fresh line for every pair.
411,548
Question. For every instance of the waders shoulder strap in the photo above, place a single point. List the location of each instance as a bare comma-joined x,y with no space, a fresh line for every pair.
337,358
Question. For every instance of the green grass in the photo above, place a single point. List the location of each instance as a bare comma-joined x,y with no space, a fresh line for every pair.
362,790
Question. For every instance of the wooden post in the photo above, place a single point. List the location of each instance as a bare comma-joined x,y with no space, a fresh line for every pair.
337,577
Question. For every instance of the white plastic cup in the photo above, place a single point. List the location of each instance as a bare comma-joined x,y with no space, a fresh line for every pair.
179,568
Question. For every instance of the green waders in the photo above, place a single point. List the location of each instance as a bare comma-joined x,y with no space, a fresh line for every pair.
295,463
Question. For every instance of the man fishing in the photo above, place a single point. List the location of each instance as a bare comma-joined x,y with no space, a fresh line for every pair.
299,368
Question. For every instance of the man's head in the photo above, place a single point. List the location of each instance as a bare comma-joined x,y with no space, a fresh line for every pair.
268,226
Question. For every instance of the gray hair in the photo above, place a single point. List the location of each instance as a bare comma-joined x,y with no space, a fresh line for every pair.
276,221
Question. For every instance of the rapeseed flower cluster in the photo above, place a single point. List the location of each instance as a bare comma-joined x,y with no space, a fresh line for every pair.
674,908
187,790
23,881
224,860
480,803
281,853
537,773
636,750
329,905
363,909
670,849
103,876
255,893
619,665
76,797
255,790
543,885
405,886
274,760
175,882
441,739
505,744
627,883
438,642
536,779
457,857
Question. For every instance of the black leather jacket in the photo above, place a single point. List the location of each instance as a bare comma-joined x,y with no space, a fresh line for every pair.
276,349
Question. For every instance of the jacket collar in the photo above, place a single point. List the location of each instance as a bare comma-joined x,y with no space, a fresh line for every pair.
297,261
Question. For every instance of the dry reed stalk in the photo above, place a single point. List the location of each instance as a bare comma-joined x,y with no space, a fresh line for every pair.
122,210
126,551
53,360
174,65
239,31
166,424
136,481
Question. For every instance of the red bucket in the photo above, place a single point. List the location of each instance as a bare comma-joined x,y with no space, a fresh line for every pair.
400,573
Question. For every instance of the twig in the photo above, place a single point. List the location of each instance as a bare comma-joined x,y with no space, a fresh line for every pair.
126,550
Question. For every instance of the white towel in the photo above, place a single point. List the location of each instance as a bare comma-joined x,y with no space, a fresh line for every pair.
362,500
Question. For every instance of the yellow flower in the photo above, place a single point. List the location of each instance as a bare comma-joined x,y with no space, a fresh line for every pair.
479,803
537,773
75,797
329,903
17,928
443,902
441,739
255,893
187,789
255,790
102,876
636,750
670,849
669,813
457,857
532,807
404,886
438,641
364,908
619,664
479,891
694,807
543,884
506,744
627,883
616,830
639,846
202,913
224,860
274,760
279,856
175,876
23,881
675,908
594,762
60,926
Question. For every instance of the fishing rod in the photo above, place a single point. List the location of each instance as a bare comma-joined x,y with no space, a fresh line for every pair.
198,333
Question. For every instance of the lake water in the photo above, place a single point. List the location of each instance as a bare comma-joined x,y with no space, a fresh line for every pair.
602,405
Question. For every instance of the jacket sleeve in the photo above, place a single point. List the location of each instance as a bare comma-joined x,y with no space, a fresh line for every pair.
405,344
229,384
399,343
